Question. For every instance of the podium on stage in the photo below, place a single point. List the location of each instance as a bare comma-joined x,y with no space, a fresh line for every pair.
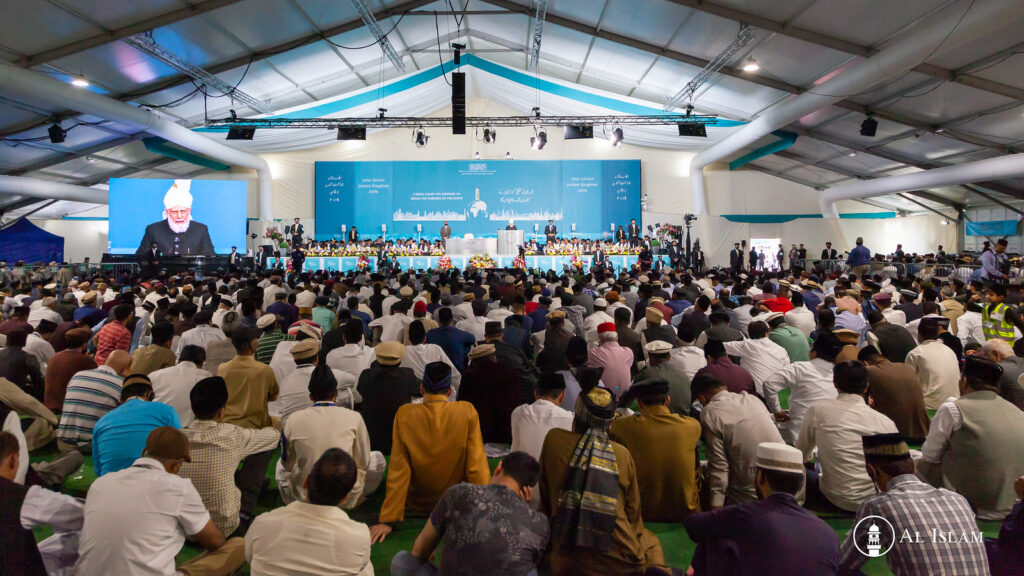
509,241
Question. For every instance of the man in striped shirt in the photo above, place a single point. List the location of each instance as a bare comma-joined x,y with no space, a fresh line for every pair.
270,325
115,335
90,395
933,530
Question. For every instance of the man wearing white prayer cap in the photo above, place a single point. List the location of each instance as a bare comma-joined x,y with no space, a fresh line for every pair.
773,535
177,233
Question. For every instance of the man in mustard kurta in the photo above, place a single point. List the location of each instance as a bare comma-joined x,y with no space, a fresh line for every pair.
435,445
669,490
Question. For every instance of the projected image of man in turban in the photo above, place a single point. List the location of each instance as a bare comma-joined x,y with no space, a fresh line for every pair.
177,233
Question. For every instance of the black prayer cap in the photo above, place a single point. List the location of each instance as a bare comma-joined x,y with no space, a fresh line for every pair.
983,369
437,376
492,328
885,446
552,382
644,389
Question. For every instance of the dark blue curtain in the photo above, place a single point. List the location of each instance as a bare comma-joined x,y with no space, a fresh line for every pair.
24,240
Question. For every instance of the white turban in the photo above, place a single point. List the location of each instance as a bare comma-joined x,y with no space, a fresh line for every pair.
178,195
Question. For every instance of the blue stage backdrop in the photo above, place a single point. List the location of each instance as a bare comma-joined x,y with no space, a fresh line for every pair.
138,203
477,197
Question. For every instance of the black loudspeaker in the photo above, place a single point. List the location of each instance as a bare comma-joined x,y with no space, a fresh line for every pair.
351,132
458,102
869,127
697,130
241,133
577,131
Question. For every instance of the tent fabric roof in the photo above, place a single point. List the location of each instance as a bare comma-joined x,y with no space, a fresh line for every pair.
953,108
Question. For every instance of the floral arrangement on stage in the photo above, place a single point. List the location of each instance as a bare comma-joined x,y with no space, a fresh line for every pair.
362,262
437,252
576,261
445,263
519,263
274,234
666,233
482,262
529,250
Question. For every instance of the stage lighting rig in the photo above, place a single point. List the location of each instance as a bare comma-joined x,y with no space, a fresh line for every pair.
539,140
420,137
615,138
490,136
458,48
536,111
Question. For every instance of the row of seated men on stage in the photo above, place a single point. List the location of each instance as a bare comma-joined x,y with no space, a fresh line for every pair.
414,247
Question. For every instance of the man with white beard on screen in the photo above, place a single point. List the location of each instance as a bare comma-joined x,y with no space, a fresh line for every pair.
177,233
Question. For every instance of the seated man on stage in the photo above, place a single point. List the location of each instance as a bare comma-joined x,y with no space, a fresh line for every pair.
177,233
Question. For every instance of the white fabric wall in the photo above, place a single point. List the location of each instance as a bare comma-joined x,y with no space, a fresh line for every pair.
82,238
665,182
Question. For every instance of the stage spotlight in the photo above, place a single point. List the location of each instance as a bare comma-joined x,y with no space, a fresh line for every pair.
751,65
539,141
536,111
57,134
490,136
508,155
381,112
80,82
615,138
351,132
421,138
868,127
476,155
689,109
241,133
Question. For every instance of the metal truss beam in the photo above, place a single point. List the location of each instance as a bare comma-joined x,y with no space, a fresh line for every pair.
385,45
146,44
121,33
481,121
538,34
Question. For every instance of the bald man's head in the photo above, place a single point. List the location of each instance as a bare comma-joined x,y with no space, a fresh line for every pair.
120,361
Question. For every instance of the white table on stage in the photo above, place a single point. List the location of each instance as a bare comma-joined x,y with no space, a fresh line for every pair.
471,246
509,241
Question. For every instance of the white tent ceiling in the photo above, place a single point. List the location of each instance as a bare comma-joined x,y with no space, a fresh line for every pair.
294,53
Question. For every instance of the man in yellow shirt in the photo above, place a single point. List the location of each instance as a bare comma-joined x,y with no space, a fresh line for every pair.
435,445
251,385
664,449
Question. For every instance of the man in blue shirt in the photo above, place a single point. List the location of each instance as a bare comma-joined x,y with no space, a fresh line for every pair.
455,343
860,258
540,315
281,308
991,262
120,435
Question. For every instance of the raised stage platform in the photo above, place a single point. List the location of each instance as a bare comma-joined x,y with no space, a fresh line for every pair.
347,263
